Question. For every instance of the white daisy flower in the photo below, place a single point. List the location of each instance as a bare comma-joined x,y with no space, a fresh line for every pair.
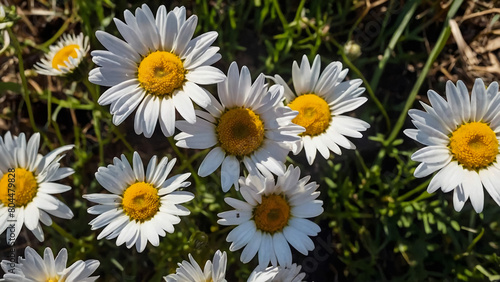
27,185
65,56
321,101
273,215
250,125
462,140
157,69
35,268
277,274
142,206
191,271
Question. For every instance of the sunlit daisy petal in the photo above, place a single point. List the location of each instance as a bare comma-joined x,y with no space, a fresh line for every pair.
65,56
462,142
277,274
157,69
275,214
143,203
249,126
321,100
35,268
30,175
190,271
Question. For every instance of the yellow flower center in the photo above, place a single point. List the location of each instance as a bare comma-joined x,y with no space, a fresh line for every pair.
474,145
23,189
55,279
240,131
272,213
141,201
160,73
314,114
63,55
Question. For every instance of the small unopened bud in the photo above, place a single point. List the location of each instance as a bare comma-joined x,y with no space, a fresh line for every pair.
352,50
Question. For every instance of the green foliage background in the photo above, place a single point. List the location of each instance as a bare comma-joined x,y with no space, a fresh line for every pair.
379,222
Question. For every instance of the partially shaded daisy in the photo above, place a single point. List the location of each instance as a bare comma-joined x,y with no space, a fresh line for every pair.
142,205
250,125
156,69
65,56
5,21
277,274
462,140
321,101
35,268
29,200
191,271
272,216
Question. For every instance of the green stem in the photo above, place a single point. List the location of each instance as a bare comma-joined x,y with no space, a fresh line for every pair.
57,35
24,82
121,137
365,82
92,88
52,122
298,14
68,236
408,15
421,197
414,191
280,14
97,130
69,105
443,37
362,161
184,160
96,114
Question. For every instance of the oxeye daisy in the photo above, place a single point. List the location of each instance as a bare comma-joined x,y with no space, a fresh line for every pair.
461,135
191,271
273,215
143,205
156,69
65,56
322,100
277,274
250,125
35,268
27,185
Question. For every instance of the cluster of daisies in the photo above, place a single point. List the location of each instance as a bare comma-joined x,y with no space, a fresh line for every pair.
158,70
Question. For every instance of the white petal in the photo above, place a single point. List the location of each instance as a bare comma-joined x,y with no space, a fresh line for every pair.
251,248
431,154
211,162
184,106
117,46
199,95
167,116
138,167
205,75
152,110
282,250
31,216
472,184
230,172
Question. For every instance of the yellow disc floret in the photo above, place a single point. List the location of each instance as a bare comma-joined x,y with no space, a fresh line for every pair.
53,279
240,131
272,214
160,73
314,114
141,201
63,55
474,145
18,187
